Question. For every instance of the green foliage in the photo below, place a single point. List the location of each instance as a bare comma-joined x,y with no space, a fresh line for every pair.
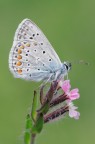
34,122
38,125
44,109
34,106
27,138
27,134
29,122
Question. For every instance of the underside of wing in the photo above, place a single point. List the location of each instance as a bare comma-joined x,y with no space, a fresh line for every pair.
32,56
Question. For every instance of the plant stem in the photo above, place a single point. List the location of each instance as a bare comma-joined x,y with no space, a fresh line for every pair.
33,136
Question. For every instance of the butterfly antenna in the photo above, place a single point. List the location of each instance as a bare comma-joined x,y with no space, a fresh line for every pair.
84,62
81,62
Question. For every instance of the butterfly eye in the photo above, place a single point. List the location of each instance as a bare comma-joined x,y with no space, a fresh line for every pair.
37,34
26,54
41,43
38,69
66,66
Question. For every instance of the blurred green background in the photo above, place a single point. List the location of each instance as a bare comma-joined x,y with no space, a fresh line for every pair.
70,27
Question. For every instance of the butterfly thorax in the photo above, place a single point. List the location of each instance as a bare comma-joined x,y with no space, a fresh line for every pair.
61,72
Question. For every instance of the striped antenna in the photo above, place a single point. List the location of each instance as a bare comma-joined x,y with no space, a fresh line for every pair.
84,62
80,62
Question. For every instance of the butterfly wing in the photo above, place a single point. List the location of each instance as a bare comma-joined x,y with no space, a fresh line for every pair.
32,56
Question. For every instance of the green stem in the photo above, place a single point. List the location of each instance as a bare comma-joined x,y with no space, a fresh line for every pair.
33,136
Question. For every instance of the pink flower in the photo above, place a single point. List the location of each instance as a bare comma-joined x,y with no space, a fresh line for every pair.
73,94
66,86
72,111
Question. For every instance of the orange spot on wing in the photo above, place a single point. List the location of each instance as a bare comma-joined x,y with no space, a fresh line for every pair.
19,71
18,63
19,57
19,51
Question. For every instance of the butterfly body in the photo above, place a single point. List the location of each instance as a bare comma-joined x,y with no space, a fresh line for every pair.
32,56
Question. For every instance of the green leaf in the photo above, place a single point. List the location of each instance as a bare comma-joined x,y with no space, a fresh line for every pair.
27,138
34,106
28,128
44,109
38,125
29,122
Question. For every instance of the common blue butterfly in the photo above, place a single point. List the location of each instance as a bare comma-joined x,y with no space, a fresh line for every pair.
32,57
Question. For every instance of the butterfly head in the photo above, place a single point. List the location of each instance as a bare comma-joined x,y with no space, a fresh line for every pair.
67,65
63,71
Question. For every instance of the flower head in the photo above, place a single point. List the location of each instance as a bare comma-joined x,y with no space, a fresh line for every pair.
65,85
70,95
73,113
73,94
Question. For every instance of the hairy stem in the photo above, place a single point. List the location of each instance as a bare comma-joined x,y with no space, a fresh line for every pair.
33,136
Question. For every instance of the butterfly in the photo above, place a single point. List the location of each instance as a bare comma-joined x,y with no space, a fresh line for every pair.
32,57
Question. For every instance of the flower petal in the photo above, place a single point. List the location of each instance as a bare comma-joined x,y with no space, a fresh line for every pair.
72,113
77,116
76,90
66,85
73,94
